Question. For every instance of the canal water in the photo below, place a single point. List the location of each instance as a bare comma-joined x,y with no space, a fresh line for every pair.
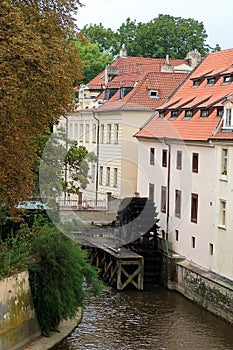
155,319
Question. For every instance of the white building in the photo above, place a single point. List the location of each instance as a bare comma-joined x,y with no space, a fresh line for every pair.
110,110
185,165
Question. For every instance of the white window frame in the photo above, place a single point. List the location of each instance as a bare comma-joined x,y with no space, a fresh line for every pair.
228,118
222,213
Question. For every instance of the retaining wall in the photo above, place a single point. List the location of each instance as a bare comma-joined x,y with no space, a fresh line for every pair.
206,288
18,322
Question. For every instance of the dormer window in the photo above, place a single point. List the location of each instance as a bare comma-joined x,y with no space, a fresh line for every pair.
188,114
153,93
124,91
174,115
211,81
109,92
196,82
204,113
228,118
227,79
161,115
219,112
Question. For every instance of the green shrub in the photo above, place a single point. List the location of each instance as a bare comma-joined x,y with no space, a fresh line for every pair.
60,278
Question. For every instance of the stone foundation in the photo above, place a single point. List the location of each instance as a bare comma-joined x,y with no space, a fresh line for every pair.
206,288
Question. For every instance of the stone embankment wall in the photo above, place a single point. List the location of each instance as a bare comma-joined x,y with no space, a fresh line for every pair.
206,288
18,322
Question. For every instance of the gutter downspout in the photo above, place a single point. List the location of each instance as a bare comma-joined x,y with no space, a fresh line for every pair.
168,186
97,163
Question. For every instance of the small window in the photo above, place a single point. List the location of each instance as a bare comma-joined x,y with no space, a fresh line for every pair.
196,82
81,133
228,118
101,175
195,163
224,161
177,235
204,113
211,249
94,133
211,81
219,112
174,115
227,79
194,207
124,91
151,192
161,115
109,133
179,160
163,199
115,178
188,114
87,135
116,133
222,213
153,94
193,242
108,176
102,133
93,173
152,156
164,158
177,203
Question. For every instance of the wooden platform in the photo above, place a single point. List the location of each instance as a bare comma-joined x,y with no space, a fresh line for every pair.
120,267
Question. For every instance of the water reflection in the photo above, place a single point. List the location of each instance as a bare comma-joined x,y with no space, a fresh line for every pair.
153,319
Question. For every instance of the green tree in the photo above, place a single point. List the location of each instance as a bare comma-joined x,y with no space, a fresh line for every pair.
107,39
170,35
94,61
38,65
63,166
163,35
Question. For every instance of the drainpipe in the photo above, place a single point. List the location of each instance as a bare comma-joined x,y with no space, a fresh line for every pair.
97,154
66,170
168,186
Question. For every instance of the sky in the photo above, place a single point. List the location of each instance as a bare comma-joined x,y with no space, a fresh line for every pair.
216,16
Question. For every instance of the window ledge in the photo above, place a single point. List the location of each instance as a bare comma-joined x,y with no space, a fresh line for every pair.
222,227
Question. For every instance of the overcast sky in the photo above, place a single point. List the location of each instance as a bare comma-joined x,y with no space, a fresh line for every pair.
215,15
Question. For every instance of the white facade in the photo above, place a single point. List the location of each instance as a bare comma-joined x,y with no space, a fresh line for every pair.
223,228
207,240
115,146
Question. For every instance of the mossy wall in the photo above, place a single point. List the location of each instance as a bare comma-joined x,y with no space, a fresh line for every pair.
18,322
212,291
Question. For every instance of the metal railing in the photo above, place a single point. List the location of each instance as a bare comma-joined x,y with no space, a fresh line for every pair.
71,204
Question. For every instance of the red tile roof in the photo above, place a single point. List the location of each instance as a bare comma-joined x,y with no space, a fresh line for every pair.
195,98
141,74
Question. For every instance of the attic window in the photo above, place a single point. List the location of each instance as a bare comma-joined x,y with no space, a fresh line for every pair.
211,81
174,115
204,113
219,112
228,118
188,114
227,79
196,82
109,92
153,94
124,91
161,115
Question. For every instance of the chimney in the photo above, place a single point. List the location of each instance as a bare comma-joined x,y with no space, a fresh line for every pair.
193,58
123,51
